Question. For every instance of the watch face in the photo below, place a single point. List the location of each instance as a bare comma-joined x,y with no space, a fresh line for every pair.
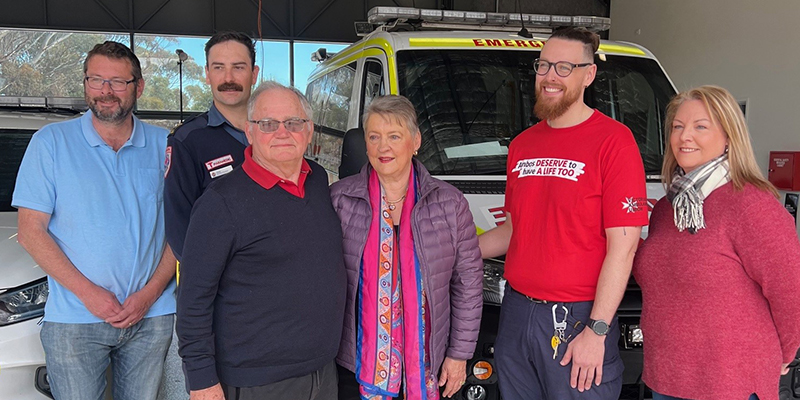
600,327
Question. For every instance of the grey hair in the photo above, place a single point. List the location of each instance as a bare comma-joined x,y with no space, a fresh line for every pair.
267,86
395,106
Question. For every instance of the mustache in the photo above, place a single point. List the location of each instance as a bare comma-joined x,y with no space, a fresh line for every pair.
108,97
540,88
223,87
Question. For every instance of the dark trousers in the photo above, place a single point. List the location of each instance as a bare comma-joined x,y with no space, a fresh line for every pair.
318,385
524,356
657,396
348,386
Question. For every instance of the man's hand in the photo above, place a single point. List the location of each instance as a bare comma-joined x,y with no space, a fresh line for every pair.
100,302
586,352
133,309
211,393
454,374
784,368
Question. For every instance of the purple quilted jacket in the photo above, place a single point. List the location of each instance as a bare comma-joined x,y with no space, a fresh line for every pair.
447,247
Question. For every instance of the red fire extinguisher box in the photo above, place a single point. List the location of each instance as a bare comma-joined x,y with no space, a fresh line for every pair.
784,169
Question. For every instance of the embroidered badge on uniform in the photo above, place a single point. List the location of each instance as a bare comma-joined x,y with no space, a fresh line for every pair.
167,160
218,162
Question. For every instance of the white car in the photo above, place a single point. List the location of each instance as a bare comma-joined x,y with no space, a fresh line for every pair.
23,285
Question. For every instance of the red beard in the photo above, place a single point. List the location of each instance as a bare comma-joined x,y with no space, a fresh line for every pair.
549,109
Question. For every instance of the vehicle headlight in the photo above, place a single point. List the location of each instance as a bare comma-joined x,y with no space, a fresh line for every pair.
24,303
493,282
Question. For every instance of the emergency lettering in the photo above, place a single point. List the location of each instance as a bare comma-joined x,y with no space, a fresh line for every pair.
535,44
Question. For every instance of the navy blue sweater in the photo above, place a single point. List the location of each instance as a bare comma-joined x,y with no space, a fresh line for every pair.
262,290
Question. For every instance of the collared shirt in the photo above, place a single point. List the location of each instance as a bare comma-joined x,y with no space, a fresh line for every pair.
106,209
268,180
215,119
203,149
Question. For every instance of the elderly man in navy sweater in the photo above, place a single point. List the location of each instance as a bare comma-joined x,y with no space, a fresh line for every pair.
261,299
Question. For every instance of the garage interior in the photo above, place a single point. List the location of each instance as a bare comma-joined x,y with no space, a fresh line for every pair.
741,45
737,44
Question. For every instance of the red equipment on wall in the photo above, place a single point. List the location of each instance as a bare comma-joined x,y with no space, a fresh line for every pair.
784,169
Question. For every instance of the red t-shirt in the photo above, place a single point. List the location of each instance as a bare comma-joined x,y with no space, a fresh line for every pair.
565,187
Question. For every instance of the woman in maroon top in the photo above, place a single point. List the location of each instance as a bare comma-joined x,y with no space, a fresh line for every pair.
720,270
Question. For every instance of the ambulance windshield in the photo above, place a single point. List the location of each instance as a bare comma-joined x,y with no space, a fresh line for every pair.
472,103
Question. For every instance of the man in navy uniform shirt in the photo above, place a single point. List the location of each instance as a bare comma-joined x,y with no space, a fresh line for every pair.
211,144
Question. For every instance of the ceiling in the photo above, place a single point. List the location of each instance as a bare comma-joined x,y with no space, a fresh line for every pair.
305,20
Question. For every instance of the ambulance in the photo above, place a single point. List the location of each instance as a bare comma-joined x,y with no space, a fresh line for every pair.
471,80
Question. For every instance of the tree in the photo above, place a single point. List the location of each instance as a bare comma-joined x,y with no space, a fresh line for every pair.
45,64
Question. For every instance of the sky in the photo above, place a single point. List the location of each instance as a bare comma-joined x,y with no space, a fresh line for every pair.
272,57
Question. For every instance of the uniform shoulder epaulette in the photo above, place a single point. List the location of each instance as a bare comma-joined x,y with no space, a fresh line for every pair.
191,123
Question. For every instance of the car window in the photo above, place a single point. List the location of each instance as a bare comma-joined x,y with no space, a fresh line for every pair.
13,143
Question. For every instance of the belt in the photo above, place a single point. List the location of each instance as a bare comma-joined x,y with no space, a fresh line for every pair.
532,299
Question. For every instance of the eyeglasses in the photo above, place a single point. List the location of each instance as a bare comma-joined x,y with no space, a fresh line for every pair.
269,125
117,85
562,68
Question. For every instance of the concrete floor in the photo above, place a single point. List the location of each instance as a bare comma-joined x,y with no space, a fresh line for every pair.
173,386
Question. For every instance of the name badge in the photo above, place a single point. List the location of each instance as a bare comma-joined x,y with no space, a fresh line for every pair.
222,171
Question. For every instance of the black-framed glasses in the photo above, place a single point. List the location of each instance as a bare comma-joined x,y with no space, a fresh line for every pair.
562,68
269,125
117,85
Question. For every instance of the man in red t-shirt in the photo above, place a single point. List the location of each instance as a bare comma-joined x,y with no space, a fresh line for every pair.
575,205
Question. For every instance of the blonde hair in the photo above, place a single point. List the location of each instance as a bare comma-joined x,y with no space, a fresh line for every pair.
393,106
725,111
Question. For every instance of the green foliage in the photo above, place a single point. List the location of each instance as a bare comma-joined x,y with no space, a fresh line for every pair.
37,63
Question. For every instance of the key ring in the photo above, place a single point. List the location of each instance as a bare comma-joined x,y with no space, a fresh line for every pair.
563,324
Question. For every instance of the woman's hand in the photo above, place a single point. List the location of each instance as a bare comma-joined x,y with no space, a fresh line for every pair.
784,369
454,374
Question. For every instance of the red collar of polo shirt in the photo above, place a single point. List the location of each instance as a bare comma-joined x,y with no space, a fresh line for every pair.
268,180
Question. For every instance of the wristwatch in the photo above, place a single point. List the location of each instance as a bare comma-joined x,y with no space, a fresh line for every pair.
599,327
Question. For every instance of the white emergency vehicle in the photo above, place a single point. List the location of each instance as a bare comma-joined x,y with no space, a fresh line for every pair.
23,285
470,77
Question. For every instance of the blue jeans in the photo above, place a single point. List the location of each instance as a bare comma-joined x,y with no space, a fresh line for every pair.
78,355
658,396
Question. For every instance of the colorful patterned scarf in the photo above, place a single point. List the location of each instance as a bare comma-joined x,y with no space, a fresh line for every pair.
393,332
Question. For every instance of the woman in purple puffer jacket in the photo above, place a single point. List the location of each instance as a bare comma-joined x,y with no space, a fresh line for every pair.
414,270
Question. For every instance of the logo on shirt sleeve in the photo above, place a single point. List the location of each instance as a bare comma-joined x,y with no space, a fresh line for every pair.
218,162
167,160
634,204
555,167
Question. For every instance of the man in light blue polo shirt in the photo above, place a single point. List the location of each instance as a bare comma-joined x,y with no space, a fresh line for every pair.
91,214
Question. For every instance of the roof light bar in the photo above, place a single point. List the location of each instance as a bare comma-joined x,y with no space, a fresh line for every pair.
560,20
452,16
496,18
469,19
430,15
385,14
602,24
75,103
